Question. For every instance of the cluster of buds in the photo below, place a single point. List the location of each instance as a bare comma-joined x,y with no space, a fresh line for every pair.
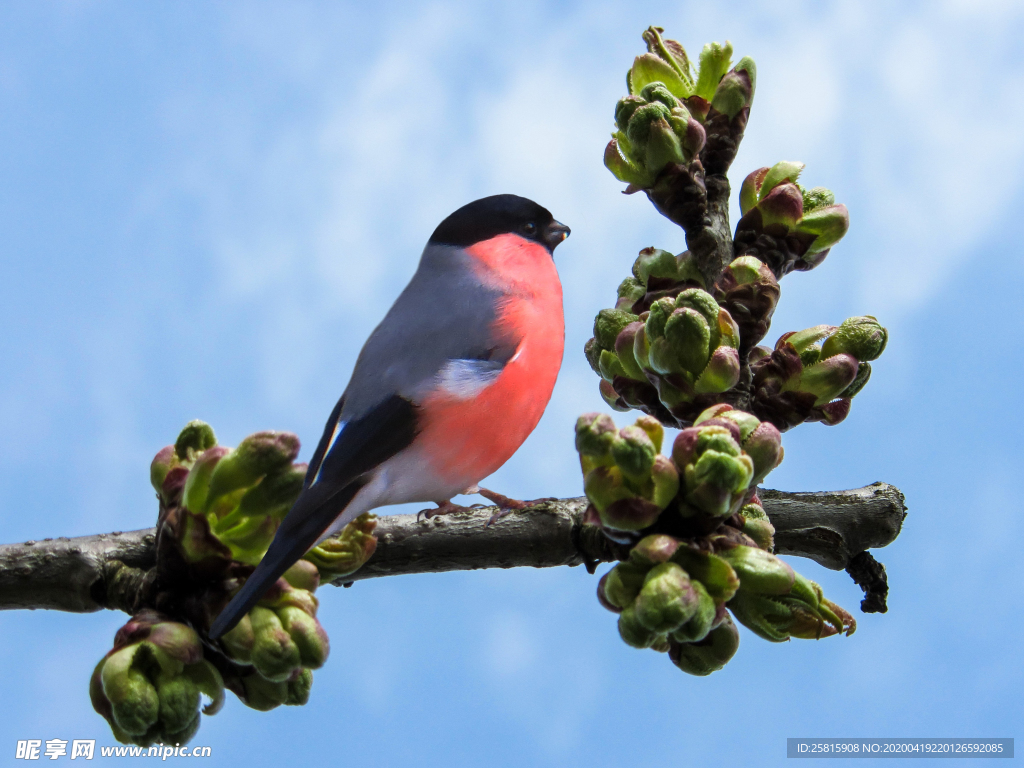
675,357
237,496
784,225
148,686
279,642
629,483
671,596
811,375
673,120
712,474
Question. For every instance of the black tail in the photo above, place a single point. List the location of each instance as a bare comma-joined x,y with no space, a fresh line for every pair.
299,531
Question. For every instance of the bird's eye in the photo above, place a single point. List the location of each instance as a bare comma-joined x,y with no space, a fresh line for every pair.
530,228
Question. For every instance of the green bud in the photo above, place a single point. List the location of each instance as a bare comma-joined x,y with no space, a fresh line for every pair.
655,431
595,433
307,634
715,61
178,641
750,189
658,92
764,446
634,452
816,198
274,654
610,365
625,108
262,694
257,455
757,526
686,344
827,379
654,262
238,641
609,323
592,350
735,91
663,146
665,479
722,372
604,485
198,482
134,703
298,689
179,703
746,422
610,396
717,576
710,654
652,550
759,571
696,628
622,584
632,631
624,169
346,552
164,460
783,206
195,438
862,377
807,338
630,291
780,173
829,224
861,337
667,600
209,682
628,514
303,575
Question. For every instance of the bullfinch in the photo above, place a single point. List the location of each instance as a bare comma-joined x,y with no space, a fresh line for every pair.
446,388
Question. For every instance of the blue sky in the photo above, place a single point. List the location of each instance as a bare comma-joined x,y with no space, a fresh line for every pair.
205,208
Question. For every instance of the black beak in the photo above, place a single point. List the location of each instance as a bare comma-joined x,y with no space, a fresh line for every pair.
554,233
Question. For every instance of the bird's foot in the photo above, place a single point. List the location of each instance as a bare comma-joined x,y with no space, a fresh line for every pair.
506,505
446,508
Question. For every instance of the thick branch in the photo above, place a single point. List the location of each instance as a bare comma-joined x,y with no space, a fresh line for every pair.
112,570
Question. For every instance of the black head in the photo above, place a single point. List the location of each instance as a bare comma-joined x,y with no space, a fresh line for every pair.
500,215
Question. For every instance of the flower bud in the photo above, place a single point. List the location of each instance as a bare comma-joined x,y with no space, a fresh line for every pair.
717,576
195,438
759,571
826,380
164,460
654,262
818,197
710,654
135,705
621,166
633,632
274,654
604,485
628,514
625,108
783,206
757,526
696,628
780,173
653,550
665,480
735,91
862,377
622,584
261,694
609,323
861,337
257,455
828,224
764,446
667,600
179,703
722,372
346,552
303,575
595,433
298,689
307,634
630,291
634,452
611,397
198,482
654,429
648,69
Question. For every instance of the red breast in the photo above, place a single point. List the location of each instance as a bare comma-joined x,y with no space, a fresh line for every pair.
467,440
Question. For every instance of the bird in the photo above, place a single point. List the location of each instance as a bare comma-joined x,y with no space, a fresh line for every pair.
445,389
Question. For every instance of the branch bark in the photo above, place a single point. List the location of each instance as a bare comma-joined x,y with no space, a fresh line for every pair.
114,570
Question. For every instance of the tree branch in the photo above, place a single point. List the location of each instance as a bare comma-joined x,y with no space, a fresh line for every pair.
114,570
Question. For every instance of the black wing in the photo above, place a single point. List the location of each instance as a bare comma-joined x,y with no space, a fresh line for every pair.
361,445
